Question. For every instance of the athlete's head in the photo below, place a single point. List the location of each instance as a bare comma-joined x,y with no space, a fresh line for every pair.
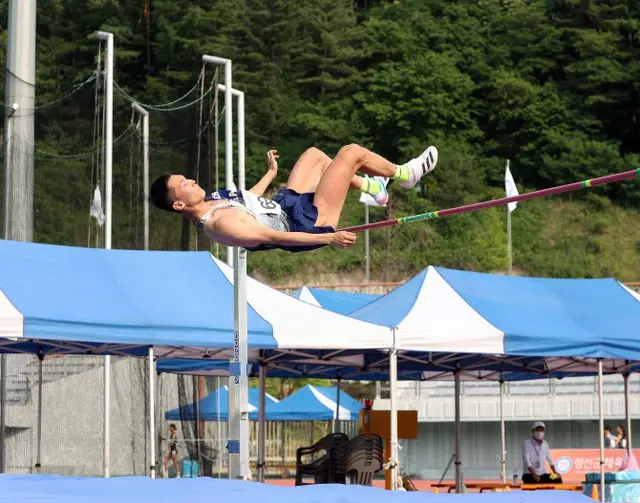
176,193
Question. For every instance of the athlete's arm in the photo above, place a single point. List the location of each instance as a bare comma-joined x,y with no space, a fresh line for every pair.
231,231
272,170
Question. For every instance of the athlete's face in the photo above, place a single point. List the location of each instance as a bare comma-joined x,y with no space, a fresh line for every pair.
186,193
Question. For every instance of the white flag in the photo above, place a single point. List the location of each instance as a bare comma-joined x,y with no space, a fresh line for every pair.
368,198
96,207
510,187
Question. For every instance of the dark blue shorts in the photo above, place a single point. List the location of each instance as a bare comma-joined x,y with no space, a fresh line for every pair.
301,215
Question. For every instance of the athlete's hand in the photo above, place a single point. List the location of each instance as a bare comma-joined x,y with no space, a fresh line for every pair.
272,162
342,239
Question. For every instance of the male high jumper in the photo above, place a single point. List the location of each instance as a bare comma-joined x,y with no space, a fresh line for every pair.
305,213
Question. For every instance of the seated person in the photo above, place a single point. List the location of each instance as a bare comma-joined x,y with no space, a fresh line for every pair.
535,453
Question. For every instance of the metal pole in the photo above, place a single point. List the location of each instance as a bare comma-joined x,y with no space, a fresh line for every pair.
337,416
241,134
601,407
106,460
108,162
509,239
152,414
509,249
6,232
108,138
20,90
195,382
241,381
39,432
241,147
627,410
458,463
262,377
503,444
219,426
367,262
228,128
145,168
393,454
18,183
3,410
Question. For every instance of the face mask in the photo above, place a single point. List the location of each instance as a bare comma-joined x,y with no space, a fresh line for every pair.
538,435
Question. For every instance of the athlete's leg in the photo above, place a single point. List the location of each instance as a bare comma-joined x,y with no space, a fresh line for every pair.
339,176
308,170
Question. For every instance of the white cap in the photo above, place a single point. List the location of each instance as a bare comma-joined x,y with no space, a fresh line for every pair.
538,424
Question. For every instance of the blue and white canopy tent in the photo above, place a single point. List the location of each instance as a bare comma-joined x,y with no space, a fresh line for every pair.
315,403
68,300
215,407
558,324
459,325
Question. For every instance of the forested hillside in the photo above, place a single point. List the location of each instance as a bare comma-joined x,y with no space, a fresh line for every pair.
553,86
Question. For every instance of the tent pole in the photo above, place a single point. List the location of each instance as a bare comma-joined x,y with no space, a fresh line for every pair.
503,450
218,427
627,411
39,446
393,454
458,463
261,421
3,410
601,414
152,415
337,415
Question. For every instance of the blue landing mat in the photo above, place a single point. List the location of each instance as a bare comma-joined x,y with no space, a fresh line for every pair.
54,489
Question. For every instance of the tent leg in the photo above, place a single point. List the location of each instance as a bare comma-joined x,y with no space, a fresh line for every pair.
601,414
458,463
393,450
337,415
107,417
627,410
3,410
219,443
503,443
39,442
152,415
261,422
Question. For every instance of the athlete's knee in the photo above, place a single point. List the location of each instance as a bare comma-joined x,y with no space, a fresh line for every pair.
354,151
316,154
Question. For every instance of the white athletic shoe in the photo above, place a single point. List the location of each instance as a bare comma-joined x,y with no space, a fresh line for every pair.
420,166
382,198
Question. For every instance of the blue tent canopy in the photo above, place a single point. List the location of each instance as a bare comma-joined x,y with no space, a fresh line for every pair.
215,406
315,403
310,403
93,301
335,300
445,310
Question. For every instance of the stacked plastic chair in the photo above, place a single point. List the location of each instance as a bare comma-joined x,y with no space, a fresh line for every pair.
363,458
327,460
